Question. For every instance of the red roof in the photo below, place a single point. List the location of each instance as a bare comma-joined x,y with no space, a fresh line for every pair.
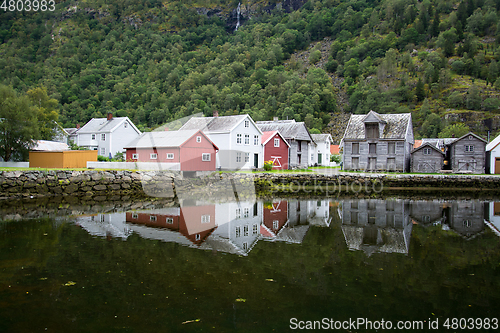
266,135
417,144
334,149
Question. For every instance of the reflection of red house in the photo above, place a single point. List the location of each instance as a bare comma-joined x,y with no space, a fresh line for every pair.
191,149
275,218
275,149
196,223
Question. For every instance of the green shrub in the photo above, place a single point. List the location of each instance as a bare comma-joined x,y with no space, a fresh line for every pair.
268,165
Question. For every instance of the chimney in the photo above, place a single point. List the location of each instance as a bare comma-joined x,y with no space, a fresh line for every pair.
216,113
110,116
77,126
275,118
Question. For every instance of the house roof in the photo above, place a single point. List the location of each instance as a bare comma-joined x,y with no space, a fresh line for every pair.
396,125
44,145
99,125
164,139
71,131
334,149
321,137
493,144
428,145
224,124
467,135
266,136
417,144
289,129
438,143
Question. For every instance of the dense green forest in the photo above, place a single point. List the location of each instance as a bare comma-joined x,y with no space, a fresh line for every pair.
155,61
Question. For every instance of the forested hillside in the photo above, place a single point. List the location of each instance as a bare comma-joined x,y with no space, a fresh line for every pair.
156,61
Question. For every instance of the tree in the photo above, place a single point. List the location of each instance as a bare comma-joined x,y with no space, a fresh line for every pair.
46,112
419,90
18,125
454,131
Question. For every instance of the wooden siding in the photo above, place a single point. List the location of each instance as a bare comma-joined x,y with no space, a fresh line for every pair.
382,155
277,154
426,163
465,161
61,159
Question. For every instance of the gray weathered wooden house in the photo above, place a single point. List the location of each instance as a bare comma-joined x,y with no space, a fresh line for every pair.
298,137
467,154
427,158
378,142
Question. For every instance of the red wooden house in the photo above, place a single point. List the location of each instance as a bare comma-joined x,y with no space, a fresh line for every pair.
275,218
191,150
275,149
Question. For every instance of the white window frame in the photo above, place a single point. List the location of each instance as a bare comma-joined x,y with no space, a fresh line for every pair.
103,151
237,231
469,148
247,157
135,216
427,151
205,218
152,218
238,139
246,212
197,237
103,136
245,230
153,156
205,157
247,139
276,224
169,220
92,136
198,139
276,142
238,213
255,140
135,156
238,157
247,123
125,124
170,156
255,229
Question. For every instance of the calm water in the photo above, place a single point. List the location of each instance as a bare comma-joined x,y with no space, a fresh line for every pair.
247,266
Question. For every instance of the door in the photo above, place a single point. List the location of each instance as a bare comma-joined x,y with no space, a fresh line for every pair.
497,165
256,160
320,158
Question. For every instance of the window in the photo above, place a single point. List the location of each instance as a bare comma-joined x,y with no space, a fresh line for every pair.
247,157
103,151
391,148
276,142
245,246
355,148
372,148
238,157
152,218
246,212
255,140
299,145
135,156
103,136
389,205
169,220
355,163
205,219
93,136
247,123
245,230
372,163
238,139
255,209
170,156
197,237
354,217
371,131
391,163
153,156
198,139
135,216
205,157
238,231
469,148
247,139
238,213
354,205
312,157
255,229
427,151
125,124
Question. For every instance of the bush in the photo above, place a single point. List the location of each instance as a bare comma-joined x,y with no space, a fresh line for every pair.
335,158
268,165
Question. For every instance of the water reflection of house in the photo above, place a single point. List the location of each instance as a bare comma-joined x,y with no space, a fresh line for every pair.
427,212
277,225
105,225
195,223
466,218
376,225
319,213
493,218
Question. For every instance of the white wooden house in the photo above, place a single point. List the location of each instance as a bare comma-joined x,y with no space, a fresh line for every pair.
237,137
493,152
107,135
320,149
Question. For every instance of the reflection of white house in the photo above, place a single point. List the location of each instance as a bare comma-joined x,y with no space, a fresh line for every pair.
107,135
320,149
105,225
493,220
319,212
237,137
493,148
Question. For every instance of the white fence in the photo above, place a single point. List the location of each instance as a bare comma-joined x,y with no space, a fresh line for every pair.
134,165
14,164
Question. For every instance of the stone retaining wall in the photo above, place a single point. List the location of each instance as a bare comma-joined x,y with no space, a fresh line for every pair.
94,183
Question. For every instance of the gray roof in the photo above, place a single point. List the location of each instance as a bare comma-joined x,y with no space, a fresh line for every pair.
214,124
162,139
44,145
289,129
396,125
321,137
71,131
429,145
438,143
96,125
